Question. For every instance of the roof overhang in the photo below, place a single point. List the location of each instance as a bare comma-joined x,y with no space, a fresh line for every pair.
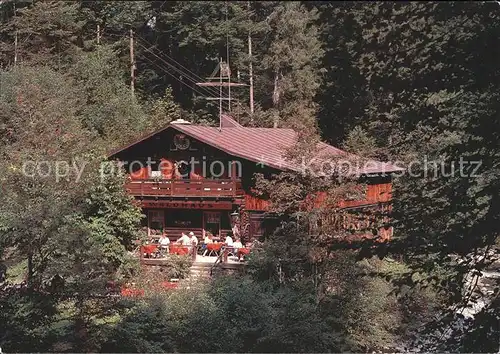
184,128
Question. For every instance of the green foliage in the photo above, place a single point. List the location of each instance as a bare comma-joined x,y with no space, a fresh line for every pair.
293,53
482,333
284,257
114,16
163,110
107,106
366,307
243,315
16,273
421,79
144,328
359,142
110,211
24,319
176,267
74,229
392,80
48,33
39,124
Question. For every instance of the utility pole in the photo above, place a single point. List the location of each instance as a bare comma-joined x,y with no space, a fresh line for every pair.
224,74
250,71
132,63
250,68
227,60
98,34
220,95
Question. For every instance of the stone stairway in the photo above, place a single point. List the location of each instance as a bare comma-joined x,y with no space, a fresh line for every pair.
200,270
199,273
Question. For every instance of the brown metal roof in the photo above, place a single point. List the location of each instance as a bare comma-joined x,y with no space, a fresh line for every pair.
261,145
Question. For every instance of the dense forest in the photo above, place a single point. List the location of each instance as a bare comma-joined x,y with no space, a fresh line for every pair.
416,82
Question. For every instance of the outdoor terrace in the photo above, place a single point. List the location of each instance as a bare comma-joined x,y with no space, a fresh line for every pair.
152,255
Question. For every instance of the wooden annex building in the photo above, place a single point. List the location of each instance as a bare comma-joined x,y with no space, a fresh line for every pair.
196,178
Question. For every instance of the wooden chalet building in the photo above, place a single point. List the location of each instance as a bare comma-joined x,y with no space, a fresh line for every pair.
196,178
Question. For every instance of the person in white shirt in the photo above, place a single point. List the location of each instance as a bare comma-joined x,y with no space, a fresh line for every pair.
194,244
208,239
194,239
237,244
164,241
184,240
229,241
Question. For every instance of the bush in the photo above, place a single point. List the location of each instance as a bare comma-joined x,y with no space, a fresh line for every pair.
229,315
176,266
364,306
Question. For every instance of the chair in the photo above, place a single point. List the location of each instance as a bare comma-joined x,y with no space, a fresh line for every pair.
164,250
230,251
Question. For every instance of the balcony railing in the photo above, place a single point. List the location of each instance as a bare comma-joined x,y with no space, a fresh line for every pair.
184,188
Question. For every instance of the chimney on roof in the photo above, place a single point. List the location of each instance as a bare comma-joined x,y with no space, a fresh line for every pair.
180,121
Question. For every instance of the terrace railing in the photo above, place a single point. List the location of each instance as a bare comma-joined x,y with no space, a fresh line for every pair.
185,188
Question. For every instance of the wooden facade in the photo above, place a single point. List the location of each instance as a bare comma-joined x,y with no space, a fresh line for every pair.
187,179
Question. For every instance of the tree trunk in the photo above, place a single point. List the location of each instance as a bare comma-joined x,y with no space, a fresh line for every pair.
30,270
80,329
276,98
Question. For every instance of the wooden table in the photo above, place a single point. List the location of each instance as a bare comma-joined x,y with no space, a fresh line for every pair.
243,252
149,249
214,247
179,250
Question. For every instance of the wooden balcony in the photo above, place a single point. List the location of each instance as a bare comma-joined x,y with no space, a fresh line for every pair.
184,188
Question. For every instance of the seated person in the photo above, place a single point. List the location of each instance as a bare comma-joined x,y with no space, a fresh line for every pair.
229,240
205,242
184,240
208,238
237,244
215,238
164,241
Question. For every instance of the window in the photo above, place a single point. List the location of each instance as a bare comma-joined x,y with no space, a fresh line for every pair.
212,222
156,220
184,218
